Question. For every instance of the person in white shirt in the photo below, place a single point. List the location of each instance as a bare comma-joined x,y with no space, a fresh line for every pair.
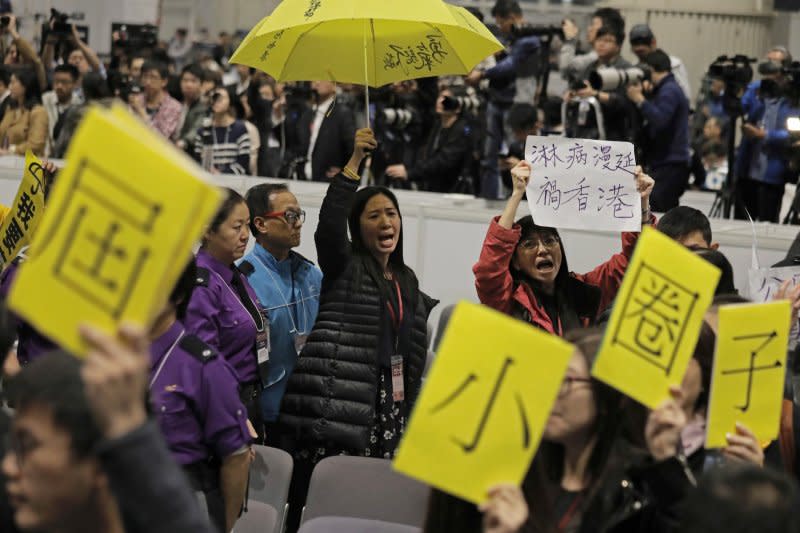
643,41
58,101
329,127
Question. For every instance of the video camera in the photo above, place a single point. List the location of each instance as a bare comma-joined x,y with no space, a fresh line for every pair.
468,104
134,36
611,79
543,32
736,73
62,25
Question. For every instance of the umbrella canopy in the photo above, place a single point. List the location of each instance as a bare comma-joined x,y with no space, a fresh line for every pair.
372,42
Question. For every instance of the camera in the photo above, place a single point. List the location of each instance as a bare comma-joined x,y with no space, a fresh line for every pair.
400,118
134,36
734,70
543,32
128,88
611,79
61,27
5,21
469,103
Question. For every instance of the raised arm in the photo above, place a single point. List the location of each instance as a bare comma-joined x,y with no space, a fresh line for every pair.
90,54
333,248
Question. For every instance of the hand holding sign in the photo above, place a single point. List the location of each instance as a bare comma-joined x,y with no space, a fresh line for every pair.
484,406
585,184
521,174
749,371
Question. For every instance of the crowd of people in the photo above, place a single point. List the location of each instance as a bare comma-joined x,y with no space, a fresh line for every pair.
451,134
154,429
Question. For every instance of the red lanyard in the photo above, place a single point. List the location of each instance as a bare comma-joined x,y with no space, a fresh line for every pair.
567,518
397,319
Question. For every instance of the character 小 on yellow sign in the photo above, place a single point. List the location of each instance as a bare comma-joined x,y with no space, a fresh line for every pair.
481,413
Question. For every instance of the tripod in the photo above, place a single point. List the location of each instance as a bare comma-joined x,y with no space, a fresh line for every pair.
725,199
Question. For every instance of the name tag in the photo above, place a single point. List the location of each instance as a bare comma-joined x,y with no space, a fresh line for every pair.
398,383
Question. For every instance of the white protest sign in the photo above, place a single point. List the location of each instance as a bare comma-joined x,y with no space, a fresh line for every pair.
765,282
583,184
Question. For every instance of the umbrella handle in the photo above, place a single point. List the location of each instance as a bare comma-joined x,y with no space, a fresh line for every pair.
366,74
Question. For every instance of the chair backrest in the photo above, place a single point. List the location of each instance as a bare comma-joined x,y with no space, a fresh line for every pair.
270,476
363,487
259,518
444,318
339,524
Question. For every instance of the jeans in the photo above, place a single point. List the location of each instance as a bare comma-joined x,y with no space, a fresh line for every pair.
496,117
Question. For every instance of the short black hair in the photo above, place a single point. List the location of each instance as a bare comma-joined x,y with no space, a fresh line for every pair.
95,87
182,291
682,221
615,31
233,199
506,8
158,66
475,12
522,117
54,382
258,201
196,70
67,68
659,61
743,498
725,285
610,17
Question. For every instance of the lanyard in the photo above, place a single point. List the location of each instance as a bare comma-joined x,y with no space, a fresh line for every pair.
567,518
290,307
238,299
397,318
166,356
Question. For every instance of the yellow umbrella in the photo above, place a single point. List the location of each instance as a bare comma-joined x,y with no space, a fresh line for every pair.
373,42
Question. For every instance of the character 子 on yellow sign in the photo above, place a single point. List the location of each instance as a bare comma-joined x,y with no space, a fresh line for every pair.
749,371
480,416
656,319
119,228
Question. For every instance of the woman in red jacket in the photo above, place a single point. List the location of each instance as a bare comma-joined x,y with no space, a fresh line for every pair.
522,270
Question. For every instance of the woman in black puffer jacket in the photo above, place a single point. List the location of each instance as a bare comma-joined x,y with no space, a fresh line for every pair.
372,322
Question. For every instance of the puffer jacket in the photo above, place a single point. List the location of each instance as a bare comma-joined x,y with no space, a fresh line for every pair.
331,396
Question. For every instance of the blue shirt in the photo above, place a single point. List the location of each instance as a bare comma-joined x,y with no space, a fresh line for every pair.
289,291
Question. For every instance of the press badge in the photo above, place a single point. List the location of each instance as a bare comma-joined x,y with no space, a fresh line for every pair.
398,385
262,340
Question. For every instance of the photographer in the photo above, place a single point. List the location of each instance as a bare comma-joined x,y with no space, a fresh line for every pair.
666,130
762,163
574,56
445,154
614,119
502,88
223,139
398,128
643,43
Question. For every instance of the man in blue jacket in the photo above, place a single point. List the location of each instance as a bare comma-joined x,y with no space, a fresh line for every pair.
287,285
666,128
762,162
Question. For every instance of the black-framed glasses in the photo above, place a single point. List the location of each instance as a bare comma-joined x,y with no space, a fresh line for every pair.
549,241
568,385
291,217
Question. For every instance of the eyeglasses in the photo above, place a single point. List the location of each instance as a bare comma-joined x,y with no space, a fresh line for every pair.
567,385
291,217
548,241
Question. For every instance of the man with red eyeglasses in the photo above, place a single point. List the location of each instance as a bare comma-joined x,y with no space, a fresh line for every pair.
287,285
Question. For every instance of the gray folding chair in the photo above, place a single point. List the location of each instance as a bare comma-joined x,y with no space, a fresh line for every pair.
444,318
339,524
363,487
270,476
259,518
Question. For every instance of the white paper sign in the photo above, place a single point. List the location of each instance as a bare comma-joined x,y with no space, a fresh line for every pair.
583,184
765,282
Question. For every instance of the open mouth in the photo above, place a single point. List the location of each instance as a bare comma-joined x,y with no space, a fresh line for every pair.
545,265
386,240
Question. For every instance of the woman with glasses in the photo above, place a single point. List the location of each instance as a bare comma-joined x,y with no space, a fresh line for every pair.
593,471
522,270
224,310
287,285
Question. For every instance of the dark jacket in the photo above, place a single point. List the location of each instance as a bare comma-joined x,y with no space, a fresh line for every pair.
666,115
331,396
153,492
444,157
520,59
334,140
